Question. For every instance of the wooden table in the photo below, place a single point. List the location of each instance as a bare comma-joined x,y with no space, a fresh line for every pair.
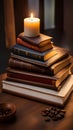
28,115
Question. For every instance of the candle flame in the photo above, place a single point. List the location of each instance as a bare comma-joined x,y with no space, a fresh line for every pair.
31,15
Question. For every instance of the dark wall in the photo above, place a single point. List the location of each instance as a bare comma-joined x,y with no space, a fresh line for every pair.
4,53
2,31
59,7
20,12
68,23
63,34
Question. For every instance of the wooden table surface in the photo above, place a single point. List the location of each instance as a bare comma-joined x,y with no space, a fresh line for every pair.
28,114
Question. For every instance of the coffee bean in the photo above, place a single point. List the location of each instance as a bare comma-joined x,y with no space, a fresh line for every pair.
55,119
56,113
47,119
51,115
58,116
52,111
62,114
53,108
47,109
44,114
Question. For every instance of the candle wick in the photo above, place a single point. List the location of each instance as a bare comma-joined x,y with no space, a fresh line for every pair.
31,15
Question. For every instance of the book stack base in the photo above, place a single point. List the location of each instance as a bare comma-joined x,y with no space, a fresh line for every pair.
45,95
39,70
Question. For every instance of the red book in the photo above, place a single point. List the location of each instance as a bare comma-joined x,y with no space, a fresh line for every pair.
39,41
36,48
52,82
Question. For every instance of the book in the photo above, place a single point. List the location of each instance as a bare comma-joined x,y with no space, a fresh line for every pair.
36,48
61,54
29,67
52,82
55,68
40,94
29,53
40,40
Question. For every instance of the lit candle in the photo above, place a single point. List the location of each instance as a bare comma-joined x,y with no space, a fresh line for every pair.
31,26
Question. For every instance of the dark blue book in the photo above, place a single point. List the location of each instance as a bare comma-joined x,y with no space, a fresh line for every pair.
61,54
29,53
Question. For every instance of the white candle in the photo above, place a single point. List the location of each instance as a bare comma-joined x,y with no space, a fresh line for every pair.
31,26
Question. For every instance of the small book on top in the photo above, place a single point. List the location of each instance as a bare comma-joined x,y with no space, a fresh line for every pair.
33,47
40,40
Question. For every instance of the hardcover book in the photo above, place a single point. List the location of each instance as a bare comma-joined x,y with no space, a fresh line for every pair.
41,94
61,54
33,47
29,67
24,51
52,82
41,40
55,68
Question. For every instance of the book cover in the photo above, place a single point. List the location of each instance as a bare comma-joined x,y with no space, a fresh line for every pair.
40,40
33,47
29,67
39,93
55,68
37,79
61,54
24,51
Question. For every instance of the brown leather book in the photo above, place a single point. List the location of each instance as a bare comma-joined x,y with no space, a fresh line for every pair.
29,67
61,54
55,68
36,48
52,82
40,40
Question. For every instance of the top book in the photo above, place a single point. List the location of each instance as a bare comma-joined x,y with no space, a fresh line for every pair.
40,40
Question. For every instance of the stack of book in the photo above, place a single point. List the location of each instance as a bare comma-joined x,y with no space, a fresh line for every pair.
39,70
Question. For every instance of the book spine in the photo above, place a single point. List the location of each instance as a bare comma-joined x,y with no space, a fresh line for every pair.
29,67
21,52
31,78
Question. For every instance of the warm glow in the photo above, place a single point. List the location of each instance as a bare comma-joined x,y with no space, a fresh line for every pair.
32,26
31,15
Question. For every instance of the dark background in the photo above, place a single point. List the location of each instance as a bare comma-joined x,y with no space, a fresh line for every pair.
62,34
4,52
